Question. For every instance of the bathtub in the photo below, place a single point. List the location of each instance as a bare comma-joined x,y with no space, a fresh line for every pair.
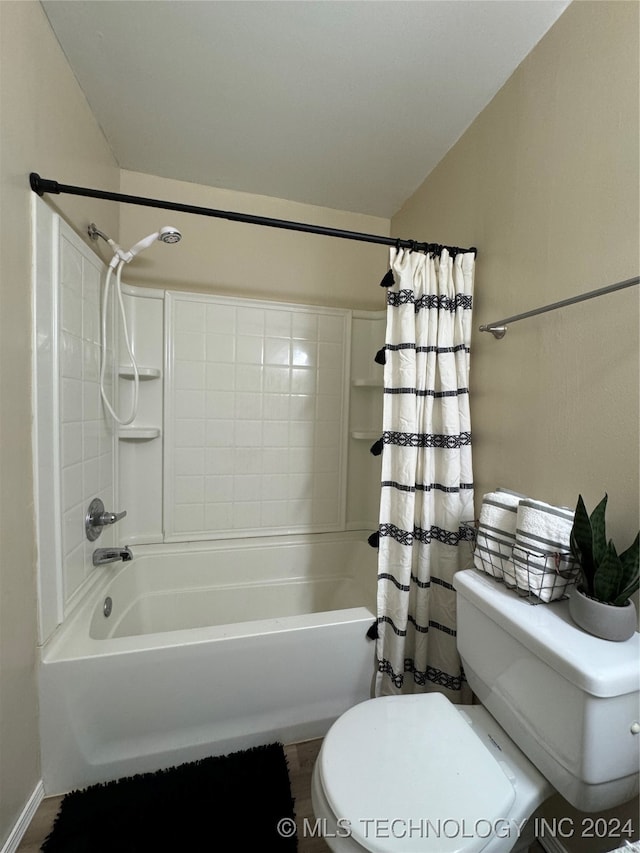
206,650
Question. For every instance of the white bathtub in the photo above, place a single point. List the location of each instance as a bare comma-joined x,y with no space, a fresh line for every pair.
206,650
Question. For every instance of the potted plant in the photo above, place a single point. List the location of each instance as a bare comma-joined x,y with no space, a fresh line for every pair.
600,601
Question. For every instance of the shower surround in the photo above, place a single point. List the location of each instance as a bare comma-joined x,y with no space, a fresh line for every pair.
249,493
250,421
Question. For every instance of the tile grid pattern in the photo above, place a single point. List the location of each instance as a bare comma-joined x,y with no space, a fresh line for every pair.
87,445
256,418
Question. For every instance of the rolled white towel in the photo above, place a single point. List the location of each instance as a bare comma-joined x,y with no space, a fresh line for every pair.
542,552
495,536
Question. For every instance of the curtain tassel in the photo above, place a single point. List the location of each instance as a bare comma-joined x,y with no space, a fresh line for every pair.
376,447
381,356
374,539
388,279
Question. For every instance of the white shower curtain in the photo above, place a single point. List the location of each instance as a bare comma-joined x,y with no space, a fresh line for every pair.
427,482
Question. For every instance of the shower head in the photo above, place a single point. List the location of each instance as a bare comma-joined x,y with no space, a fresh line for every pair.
167,234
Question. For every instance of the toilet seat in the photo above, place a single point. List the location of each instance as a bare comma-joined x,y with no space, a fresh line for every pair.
409,773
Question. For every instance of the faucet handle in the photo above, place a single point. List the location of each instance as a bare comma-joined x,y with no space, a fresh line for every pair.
96,518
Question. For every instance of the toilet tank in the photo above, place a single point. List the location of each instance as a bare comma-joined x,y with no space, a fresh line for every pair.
569,700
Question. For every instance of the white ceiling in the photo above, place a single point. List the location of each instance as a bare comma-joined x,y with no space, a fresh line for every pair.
345,104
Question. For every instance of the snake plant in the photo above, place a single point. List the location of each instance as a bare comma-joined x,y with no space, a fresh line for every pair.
607,576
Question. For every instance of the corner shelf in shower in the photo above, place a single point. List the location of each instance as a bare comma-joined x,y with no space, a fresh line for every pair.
125,371
138,433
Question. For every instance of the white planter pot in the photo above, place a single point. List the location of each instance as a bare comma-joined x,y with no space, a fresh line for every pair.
602,620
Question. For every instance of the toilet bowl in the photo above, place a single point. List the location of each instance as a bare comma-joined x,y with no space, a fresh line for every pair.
559,712
462,785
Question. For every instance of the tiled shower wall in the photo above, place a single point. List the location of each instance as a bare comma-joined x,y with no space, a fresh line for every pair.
255,417
242,426
86,440
74,445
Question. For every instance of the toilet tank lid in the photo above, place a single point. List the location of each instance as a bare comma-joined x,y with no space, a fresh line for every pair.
599,667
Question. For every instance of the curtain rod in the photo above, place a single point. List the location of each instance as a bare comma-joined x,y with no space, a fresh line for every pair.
43,185
499,328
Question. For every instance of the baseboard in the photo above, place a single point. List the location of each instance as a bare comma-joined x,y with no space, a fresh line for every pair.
22,824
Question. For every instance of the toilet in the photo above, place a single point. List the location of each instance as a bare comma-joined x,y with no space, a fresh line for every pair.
558,712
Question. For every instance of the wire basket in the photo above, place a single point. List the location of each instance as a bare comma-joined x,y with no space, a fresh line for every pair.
540,578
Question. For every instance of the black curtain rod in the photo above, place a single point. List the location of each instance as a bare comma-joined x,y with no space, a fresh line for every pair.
43,185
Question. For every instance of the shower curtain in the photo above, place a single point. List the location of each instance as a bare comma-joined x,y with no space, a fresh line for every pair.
427,483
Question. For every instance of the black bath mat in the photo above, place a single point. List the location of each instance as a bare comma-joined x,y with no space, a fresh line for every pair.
232,802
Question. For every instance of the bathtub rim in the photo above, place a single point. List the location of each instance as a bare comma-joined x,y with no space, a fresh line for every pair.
71,640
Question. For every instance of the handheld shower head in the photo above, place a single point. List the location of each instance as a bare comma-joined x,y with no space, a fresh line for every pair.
165,235
169,235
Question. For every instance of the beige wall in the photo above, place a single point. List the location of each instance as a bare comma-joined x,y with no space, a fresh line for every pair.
46,127
545,184
238,259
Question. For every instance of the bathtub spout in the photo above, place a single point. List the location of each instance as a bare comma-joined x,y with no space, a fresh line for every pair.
101,556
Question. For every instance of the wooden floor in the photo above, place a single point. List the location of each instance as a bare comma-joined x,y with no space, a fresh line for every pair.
40,826
300,757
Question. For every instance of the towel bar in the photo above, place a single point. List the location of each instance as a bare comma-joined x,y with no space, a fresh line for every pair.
499,328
